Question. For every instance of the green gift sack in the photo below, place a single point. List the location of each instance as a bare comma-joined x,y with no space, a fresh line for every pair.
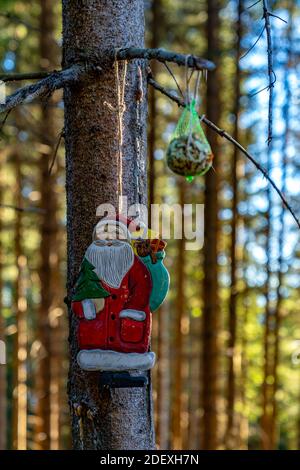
160,279
189,153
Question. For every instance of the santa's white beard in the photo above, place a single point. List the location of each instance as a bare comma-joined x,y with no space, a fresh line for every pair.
111,263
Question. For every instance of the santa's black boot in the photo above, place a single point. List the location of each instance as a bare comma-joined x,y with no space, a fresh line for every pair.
122,379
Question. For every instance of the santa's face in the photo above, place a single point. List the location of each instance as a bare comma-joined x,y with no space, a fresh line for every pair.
112,259
110,234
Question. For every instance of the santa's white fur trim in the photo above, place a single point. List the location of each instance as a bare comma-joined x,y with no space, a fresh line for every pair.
137,315
99,359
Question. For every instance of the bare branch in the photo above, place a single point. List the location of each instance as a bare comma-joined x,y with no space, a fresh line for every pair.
122,54
61,135
276,16
174,78
165,56
253,45
14,77
254,93
18,20
253,4
4,120
34,210
173,96
57,79
271,74
45,87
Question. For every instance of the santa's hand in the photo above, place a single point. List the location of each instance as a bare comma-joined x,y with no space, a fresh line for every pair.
89,309
137,315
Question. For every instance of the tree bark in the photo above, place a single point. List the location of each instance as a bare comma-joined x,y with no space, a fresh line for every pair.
3,369
152,135
3,384
20,340
178,339
266,418
209,363
163,378
117,418
286,116
155,29
49,264
231,385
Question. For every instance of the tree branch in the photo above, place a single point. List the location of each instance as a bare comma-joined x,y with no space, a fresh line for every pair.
34,210
18,20
254,44
51,81
165,56
14,77
46,86
125,54
271,73
225,135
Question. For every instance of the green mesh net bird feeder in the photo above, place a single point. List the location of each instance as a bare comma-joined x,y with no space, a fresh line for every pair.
189,153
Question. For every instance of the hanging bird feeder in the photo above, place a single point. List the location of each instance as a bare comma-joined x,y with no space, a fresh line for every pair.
189,153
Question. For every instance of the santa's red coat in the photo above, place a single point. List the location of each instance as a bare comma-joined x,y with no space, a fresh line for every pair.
108,330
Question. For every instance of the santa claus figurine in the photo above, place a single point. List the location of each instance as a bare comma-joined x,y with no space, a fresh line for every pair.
111,300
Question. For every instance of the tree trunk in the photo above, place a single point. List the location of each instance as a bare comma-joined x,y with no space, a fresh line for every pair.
163,378
118,418
268,336
233,255
178,339
152,135
286,116
20,343
155,29
3,380
194,381
49,264
209,364
3,405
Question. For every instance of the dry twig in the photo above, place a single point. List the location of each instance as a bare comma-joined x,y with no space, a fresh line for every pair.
34,210
44,87
18,20
61,135
271,74
15,77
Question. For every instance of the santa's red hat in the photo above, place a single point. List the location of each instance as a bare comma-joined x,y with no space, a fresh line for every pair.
127,224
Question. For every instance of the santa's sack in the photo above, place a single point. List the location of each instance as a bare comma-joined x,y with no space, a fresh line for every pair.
160,279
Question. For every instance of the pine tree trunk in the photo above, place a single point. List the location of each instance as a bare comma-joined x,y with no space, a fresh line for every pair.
152,135
118,418
49,266
194,383
281,238
163,378
3,380
243,425
209,364
231,385
268,332
155,29
3,405
20,340
178,339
